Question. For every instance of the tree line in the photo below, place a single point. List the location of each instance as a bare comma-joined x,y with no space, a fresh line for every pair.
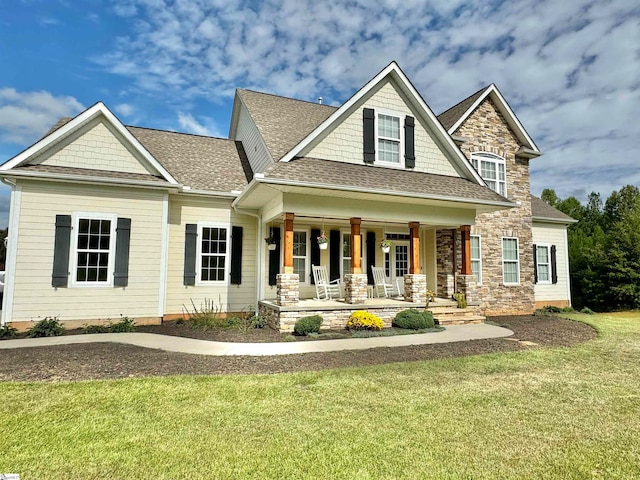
604,248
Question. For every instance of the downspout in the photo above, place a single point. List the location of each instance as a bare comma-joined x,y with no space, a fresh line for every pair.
259,254
10,246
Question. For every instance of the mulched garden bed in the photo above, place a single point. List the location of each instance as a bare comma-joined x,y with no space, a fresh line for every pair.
112,360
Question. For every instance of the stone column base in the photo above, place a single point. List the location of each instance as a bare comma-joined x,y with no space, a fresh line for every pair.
467,284
355,288
415,287
287,289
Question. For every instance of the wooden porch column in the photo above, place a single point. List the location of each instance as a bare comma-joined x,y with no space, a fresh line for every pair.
288,242
414,247
356,242
465,232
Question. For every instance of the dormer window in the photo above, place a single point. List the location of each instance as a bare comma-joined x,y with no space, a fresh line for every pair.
492,169
389,146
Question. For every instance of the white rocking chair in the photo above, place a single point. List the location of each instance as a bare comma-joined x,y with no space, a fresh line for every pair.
381,286
325,289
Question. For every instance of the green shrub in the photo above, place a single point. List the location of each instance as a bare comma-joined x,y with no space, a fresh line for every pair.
47,327
7,331
361,320
587,311
307,325
461,299
289,338
125,325
207,316
547,310
95,329
413,319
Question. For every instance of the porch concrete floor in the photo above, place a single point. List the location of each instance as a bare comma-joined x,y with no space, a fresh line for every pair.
453,333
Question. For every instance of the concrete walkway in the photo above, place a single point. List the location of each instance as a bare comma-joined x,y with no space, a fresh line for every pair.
453,333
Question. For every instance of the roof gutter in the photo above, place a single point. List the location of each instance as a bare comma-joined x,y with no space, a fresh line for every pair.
554,220
525,152
277,181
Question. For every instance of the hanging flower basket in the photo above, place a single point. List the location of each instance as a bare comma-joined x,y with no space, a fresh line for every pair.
271,243
323,241
385,245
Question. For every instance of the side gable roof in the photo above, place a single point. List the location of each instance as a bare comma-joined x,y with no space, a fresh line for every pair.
283,122
541,210
57,135
456,115
391,71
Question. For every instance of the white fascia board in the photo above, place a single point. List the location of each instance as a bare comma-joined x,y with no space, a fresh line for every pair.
505,110
418,102
554,220
77,122
87,179
277,181
249,188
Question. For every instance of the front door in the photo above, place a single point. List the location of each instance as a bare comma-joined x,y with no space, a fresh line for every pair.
397,263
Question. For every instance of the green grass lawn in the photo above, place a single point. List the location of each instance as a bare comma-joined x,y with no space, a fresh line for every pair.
558,413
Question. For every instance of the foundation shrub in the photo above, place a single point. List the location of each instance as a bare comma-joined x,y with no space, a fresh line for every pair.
125,325
307,325
361,320
7,331
47,327
413,319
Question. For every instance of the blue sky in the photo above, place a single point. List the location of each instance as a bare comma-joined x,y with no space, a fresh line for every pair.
570,70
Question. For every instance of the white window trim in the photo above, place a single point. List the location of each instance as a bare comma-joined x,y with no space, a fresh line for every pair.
517,262
307,257
498,160
73,255
479,259
363,251
227,255
548,247
400,116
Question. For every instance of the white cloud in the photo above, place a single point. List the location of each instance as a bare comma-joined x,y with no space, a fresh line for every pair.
569,69
124,109
26,116
189,124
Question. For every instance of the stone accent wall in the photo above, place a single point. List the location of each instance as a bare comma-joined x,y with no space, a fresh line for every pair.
415,287
487,131
355,288
445,262
287,289
467,284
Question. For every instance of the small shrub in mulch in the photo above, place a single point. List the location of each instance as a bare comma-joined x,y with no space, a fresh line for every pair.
307,325
362,320
7,331
47,327
413,319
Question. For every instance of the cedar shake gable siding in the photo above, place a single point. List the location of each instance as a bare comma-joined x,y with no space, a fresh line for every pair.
486,130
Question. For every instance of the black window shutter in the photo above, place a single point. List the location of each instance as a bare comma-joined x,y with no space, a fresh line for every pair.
60,274
554,269
236,255
409,142
369,135
315,251
274,255
334,254
371,255
190,245
123,236
535,263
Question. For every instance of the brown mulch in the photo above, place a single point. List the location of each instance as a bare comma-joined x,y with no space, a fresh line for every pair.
112,360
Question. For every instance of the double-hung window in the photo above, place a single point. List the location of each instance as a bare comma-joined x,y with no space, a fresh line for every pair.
301,254
543,263
476,258
93,251
492,169
389,139
510,261
212,263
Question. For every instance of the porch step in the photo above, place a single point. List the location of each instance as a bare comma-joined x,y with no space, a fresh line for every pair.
452,315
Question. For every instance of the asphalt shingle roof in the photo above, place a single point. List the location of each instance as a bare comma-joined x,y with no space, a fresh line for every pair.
449,117
89,172
283,122
342,174
541,209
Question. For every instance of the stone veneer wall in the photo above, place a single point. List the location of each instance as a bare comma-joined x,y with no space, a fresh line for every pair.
487,131
444,263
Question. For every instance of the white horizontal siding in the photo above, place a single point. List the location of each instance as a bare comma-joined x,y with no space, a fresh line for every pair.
185,209
344,143
254,146
553,234
34,296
